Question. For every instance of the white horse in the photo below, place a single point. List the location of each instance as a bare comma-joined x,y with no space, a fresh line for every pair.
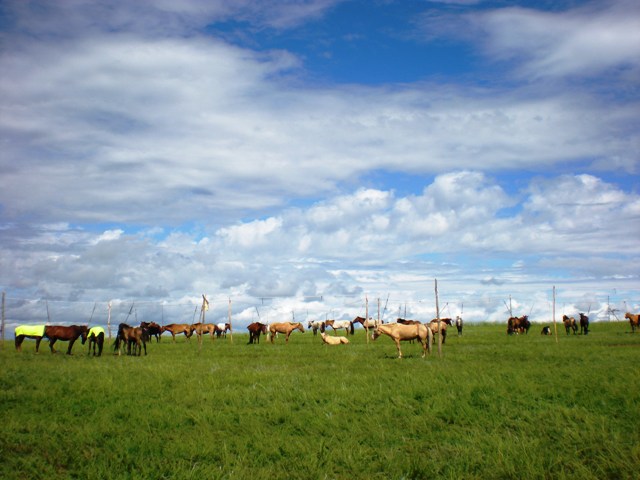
339,324
316,325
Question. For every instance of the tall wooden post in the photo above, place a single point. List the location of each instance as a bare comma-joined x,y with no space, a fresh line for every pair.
438,317
3,317
109,320
366,317
555,326
230,326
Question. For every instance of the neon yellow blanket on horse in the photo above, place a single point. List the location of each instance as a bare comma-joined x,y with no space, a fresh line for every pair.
30,330
95,331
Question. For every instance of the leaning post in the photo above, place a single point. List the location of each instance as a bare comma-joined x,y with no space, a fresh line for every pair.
230,326
555,327
366,317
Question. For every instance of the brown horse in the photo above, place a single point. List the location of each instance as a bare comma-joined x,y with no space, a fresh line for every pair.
399,332
633,320
444,322
518,325
153,329
35,332
96,338
255,329
367,324
66,334
570,324
284,327
584,324
202,329
176,329
135,337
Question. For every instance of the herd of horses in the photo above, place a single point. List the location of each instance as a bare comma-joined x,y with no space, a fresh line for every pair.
134,340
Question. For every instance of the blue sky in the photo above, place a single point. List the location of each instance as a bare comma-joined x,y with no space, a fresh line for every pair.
156,151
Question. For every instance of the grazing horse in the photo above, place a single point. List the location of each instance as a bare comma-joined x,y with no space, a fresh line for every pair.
545,331
570,324
66,334
518,325
29,331
131,336
316,325
96,338
401,332
255,329
222,329
459,324
176,329
633,320
153,329
339,324
367,324
331,340
584,324
284,327
202,329
444,322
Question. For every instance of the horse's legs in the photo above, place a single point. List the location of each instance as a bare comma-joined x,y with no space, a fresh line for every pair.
19,340
71,342
398,347
100,344
51,342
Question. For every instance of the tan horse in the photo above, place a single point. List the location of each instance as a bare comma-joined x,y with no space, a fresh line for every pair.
633,320
202,329
332,340
401,333
284,327
570,324
178,328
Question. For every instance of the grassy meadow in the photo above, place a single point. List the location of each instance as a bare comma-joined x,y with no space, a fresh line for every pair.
493,406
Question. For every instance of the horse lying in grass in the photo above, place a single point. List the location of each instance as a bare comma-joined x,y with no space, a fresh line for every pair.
178,328
569,324
402,333
633,320
284,327
331,340
255,329
96,338
35,332
66,334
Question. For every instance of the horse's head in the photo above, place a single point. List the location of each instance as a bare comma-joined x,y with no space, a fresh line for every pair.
84,331
300,327
263,328
376,333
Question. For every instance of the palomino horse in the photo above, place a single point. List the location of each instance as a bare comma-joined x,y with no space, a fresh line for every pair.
444,322
131,336
459,325
204,328
176,329
401,333
255,329
35,332
633,320
153,329
66,334
331,340
96,338
518,325
339,324
284,327
569,324
584,324
316,325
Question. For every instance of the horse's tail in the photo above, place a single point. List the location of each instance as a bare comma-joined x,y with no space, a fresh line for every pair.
351,328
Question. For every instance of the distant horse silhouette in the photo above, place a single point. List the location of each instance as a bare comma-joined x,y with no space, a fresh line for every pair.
66,334
35,332
153,329
176,329
284,327
459,324
584,324
96,338
255,329
399,332
569,324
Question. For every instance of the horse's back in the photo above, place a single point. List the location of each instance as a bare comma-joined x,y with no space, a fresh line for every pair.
30,330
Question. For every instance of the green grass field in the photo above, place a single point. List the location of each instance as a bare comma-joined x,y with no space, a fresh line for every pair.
493,406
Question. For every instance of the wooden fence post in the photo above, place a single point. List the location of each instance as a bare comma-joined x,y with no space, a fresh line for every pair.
438,317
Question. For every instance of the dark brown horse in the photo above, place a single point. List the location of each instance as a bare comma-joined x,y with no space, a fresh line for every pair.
96,338
584,324
35,332
570,324
255,329
135,337
518,325
66,334
153,329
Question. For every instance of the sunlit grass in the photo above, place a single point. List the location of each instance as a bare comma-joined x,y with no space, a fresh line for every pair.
493,406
